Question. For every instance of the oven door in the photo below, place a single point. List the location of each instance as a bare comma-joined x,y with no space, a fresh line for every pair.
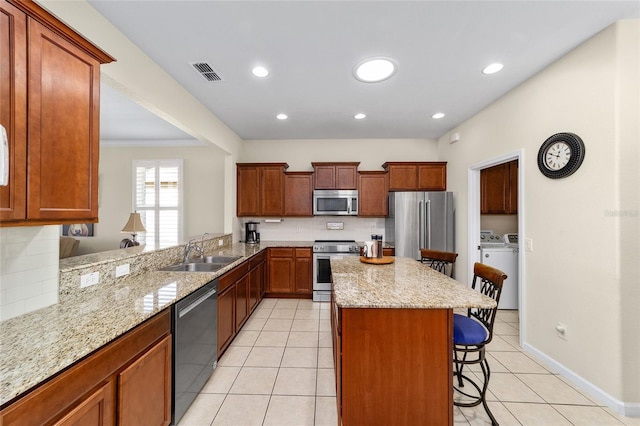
321,272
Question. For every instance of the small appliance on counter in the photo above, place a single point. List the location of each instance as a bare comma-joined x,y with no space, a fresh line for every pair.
251,235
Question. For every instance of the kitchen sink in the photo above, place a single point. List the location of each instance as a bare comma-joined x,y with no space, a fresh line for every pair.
194,267
224,260
203,264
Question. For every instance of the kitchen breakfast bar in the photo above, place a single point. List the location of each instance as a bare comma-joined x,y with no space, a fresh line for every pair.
392,329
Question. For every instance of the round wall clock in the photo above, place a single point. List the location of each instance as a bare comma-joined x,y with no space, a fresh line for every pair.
561,155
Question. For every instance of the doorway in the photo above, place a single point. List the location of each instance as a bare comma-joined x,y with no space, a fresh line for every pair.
475,223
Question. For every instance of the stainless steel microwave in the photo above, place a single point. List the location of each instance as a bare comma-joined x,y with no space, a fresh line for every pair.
332,202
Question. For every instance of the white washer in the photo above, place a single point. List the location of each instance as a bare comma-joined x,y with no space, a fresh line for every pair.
504,257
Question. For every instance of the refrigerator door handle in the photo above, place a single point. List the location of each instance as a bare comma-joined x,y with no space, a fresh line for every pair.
421,239
428,222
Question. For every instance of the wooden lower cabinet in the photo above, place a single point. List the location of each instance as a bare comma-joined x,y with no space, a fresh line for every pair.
144,391
128,379
393,366
290,271
93,410
226,319
239,292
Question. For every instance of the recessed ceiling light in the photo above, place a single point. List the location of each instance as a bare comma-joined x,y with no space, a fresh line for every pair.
260,71
282,116
437,115
359,116
375,69
492,68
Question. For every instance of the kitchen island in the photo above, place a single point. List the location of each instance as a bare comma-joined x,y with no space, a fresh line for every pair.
392,329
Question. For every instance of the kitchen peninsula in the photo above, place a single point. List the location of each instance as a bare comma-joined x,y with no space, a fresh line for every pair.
392,331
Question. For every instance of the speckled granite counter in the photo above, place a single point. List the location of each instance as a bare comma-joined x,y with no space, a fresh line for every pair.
406,283
37,345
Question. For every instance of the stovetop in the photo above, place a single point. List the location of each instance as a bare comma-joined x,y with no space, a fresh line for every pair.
335,246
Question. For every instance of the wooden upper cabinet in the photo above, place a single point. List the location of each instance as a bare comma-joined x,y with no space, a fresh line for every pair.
417,176
373,195
51,109
499,189
298,194
13,109
335,175
260,189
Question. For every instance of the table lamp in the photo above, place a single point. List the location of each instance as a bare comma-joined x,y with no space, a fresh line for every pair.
133,227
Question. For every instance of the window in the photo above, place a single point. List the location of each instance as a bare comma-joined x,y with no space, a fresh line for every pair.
158,199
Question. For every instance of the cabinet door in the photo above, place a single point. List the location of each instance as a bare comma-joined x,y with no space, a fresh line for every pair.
144,392
247,197
325,177
257,285
403,177
373,194
271,191
281,270
346,177
243,291
304,271
96,410
512,205
13,109
494,190
63,129
432,177
298,194
226,318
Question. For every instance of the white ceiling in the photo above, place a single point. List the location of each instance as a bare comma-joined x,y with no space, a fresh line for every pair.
311,47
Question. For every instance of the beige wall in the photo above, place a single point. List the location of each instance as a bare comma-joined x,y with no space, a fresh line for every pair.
371,153
203,174
583,263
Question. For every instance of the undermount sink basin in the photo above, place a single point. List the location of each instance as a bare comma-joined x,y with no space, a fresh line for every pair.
204,264
194,267
224,260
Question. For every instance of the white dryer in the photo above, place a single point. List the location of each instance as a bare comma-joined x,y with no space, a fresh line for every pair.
494,251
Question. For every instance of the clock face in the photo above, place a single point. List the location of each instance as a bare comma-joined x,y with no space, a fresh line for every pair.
557,156
561,155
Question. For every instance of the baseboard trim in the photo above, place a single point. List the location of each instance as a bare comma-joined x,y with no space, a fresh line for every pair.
627,409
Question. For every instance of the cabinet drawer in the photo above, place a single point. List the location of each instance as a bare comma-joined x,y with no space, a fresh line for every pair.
281,252
303,252
257,259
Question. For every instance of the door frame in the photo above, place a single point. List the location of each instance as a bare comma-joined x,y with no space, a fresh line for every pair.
473,225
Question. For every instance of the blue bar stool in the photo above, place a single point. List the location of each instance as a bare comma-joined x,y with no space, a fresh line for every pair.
471,334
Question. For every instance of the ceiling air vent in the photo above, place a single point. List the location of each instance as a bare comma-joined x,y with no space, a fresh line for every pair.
205,70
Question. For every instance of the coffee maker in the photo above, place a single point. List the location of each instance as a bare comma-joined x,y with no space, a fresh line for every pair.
251,235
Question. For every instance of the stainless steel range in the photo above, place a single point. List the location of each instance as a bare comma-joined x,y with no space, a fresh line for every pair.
323,251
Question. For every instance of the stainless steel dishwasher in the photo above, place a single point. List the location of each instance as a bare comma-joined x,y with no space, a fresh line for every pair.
195,346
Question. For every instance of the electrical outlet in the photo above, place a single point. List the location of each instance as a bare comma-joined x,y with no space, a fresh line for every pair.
122,270
87,280
561,330
298,229
220,243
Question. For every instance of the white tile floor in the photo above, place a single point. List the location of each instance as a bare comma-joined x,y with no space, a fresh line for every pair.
279,371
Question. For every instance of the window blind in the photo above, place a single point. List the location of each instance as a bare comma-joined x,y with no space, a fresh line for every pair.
158,199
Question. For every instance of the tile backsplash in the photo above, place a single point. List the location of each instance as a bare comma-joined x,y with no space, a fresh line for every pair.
29,259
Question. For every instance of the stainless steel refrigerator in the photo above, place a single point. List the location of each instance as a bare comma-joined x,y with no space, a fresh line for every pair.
420,220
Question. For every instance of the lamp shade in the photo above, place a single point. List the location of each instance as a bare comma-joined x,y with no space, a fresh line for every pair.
134,225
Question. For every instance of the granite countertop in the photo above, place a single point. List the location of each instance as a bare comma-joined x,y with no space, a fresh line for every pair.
406,283
37,345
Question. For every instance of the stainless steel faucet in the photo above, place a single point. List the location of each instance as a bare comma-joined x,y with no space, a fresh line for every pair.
189,247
